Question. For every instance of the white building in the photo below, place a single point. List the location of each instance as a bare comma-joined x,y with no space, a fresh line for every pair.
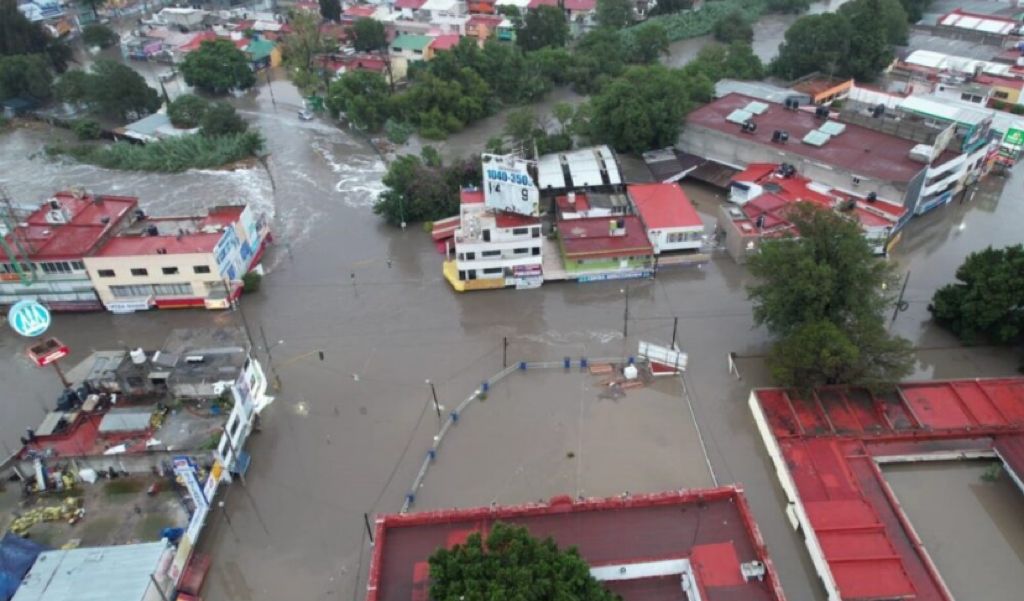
671,222
494,249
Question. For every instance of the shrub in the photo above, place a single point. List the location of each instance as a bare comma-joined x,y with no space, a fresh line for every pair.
86,129
170,155
186,111
397,132
99,35
251,282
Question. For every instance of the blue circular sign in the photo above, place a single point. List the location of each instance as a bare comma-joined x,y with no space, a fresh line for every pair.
29,318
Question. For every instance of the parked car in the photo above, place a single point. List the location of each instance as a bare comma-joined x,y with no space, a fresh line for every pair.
306,115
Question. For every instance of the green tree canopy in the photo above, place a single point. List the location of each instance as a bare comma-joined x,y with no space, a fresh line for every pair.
363,96
649,41
99,35
788,6
641,110
118,90
512,565
221,119
25,75
300,46
915,9
187,111
368,35
890,13
986,303
823,294
72,87
18,35
732,27
599,55
869,46
735,61
614,14
217,66
814,43
667,7
330,10
416,191
544,26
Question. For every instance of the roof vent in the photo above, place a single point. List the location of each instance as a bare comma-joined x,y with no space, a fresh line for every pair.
792,103
780,136
752,569
749,127
872,196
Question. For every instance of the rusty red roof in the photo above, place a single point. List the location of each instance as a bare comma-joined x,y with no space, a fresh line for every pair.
446,41
410,4
663,206
471,196
591,237
859,150
713,528
90,218
580,5
506,220
829,443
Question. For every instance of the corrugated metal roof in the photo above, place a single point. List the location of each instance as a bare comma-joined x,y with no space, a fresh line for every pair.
125,420
117,573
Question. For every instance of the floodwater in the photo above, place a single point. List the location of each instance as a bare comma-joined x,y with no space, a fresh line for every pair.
347,434
975,535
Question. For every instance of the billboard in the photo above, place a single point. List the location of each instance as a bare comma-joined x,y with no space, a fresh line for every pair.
1014,137
508,185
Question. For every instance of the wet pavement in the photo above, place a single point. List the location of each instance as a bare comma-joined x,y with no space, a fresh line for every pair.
975,535
347,434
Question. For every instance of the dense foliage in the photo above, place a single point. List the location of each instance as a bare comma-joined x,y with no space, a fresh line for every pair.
986,303
855,42
512,565
194,151
823,295
20,36
330,10
668,7
733,27
691,24
25,75
362,96
614,14
86,129
186,111
368,35
217,67
99,36
301,45
788,6
545,26
419,190
641,110
109,88
221,119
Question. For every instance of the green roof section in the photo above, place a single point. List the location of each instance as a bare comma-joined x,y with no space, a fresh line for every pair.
411,42
260,49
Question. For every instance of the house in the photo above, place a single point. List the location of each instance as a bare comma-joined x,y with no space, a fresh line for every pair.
599,248
412,47
358,11
188,19
42,254
822,89
340,64
765,193
444,42
671,222
486,26
262,53
122,572
408,8
582,14
1003,89
860,150
493,249
170,262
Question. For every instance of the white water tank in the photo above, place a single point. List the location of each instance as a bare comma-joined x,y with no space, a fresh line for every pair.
138,356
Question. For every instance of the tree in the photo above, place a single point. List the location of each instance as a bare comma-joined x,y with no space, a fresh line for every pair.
512,564
369,35
551,64
542,27
186,111
814,43
823,295
217,66
614,14
300,47
641,110
735,61
788,6
18,35
363,96
119,90
987,301
599,56
416,191
221,119
521,126
330,10
563,112
100,36
890,12
649,42
72,87
26,75
733,26
915,9
869,47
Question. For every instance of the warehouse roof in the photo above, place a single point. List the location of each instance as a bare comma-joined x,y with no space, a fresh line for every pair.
116,573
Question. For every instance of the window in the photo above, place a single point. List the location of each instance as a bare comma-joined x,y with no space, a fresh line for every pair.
470,256
536,251
490,253
493,270
140,271
201,269
520,231
1001,95
56,267
169,270
535,232
105,273
78,266
131,291
172,289
487,235
521,251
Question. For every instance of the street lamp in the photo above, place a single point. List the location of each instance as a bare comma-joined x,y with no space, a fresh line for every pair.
437,406
625,313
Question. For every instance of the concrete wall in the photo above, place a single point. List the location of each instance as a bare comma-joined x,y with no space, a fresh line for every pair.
722,148
154,264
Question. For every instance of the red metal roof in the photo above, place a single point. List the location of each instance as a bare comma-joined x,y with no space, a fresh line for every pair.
538,3
859,150
590,237
197,40
755,172
135,245
579,204
83,232
1006,82
410,4
505,220
829,443
446,41
360,10
663,206
471,196
713,528
580,5
488,20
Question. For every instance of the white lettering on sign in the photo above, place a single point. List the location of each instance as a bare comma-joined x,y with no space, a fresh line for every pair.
508,185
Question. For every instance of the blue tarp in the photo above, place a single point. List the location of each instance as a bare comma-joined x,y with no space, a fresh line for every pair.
16,557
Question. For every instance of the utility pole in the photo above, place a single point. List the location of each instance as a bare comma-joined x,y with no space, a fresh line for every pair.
504,351
625,313
901,305
60,374
675,326
369,531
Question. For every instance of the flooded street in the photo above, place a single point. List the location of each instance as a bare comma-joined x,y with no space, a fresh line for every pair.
975,535
347,434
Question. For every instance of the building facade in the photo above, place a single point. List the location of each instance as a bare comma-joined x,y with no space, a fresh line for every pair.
671,221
